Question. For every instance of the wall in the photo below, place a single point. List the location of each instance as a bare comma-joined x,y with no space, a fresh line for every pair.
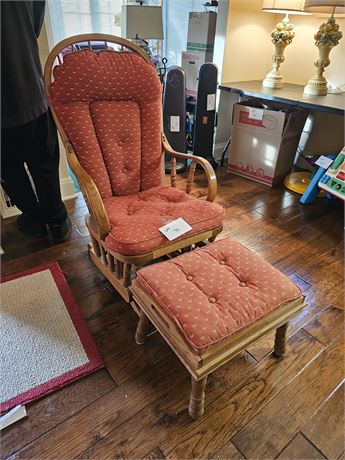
248,54
300,55
248,50
220,36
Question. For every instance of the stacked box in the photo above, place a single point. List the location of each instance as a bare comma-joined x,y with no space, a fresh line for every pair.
264,142
201,32
200,44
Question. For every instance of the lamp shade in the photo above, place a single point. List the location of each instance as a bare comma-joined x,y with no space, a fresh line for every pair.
142,21
325,6
284,6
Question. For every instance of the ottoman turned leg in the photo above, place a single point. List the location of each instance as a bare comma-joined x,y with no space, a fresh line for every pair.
280,340
197,397
142,329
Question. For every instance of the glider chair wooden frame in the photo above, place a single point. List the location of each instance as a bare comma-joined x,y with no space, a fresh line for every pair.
118,268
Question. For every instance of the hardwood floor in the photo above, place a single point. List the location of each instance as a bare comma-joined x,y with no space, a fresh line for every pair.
257,406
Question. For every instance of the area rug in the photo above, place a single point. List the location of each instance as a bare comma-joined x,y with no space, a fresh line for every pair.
44,341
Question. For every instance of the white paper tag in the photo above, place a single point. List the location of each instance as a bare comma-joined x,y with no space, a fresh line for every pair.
175,124
1,251
12,416
211,102
175,229
255,114
324,162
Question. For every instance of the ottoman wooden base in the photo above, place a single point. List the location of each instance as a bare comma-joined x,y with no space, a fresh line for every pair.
212,303
200,365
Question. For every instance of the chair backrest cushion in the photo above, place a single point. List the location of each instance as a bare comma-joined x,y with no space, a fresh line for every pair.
109,104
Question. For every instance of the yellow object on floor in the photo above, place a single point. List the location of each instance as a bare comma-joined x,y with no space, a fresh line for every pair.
298,182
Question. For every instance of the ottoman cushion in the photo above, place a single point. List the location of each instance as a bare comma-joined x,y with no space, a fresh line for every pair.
213,292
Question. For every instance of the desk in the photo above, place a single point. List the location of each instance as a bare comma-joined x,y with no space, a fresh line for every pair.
290,94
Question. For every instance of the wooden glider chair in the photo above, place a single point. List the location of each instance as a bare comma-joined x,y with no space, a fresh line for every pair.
107,105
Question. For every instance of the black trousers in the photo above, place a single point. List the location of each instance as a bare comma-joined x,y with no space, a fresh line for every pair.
36,144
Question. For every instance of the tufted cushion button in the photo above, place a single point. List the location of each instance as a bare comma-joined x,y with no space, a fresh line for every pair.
190,278
120,143
243,284
124,170
222,262
212,300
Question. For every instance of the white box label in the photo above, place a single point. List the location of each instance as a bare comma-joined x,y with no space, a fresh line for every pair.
324,162
175,229
255,114
175,124
211,102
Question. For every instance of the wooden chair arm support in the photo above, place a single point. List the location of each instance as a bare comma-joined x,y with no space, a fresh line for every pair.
208,169
91,193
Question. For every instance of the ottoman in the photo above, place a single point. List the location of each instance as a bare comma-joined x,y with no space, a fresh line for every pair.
210,304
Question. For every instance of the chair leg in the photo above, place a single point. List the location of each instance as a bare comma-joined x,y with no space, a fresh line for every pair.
142,329
197,398
280,340
127,268
103,255
119,269
95,246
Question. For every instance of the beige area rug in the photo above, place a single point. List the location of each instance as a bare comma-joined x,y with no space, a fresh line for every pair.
44,342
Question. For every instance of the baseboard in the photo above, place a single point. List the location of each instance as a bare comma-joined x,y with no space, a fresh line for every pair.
218,151
67,193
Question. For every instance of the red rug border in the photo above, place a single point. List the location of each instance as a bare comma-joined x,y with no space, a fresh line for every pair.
95,360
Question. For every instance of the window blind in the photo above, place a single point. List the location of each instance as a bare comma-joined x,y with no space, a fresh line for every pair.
72,17
176,27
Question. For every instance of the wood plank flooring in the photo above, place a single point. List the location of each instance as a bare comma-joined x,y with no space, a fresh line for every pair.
257,406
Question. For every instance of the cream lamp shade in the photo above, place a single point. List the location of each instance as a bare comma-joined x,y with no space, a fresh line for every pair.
142,22
325,6
284,6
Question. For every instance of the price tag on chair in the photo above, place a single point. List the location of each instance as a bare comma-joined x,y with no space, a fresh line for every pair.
175,229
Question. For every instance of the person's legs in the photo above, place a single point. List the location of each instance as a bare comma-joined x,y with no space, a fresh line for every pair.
42,159
14,178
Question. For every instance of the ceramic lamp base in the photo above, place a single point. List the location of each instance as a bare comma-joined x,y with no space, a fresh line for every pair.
273,81
316,87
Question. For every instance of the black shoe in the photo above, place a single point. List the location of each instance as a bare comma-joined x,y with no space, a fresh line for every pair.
31,227
61,230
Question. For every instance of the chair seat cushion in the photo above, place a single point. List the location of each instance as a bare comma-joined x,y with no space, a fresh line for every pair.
135,219
213,292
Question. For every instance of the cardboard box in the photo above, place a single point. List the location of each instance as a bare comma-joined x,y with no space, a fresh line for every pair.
201,31
191,63
264,142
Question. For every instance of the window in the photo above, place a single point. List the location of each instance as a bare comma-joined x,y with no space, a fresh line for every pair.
176,14
72,17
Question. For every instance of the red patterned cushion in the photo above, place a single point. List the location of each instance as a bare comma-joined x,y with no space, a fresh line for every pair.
109,103
135,219
213,292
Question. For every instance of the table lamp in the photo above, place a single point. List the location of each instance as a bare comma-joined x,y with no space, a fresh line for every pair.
142,22
326,38
282,36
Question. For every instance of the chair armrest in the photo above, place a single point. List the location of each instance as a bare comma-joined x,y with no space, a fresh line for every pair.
209,171
91,194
